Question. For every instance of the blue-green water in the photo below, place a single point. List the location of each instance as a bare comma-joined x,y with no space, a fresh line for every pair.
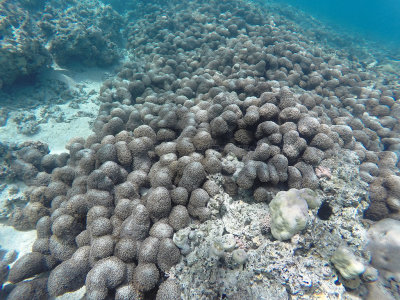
379,20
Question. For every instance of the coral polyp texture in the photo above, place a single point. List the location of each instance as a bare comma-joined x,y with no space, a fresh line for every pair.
218,101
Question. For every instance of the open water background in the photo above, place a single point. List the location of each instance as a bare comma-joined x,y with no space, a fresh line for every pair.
378,20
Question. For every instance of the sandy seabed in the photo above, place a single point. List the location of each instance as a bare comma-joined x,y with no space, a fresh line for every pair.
56,135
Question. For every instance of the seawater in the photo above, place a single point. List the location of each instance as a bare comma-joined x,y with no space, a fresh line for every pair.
372,19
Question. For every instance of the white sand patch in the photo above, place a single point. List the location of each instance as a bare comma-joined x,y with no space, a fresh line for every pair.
75,121
20,241
79,294
55,134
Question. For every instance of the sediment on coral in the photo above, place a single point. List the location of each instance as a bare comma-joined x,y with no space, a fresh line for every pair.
216,96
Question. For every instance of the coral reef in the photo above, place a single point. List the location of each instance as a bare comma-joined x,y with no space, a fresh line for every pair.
268,268
92,39
21,53
35,33
230,158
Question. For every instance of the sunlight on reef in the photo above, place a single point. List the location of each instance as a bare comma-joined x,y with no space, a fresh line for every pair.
191,150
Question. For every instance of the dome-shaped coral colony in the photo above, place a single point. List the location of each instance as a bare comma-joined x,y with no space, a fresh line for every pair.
204,81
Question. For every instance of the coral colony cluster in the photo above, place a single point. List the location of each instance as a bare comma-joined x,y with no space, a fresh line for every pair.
218,101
